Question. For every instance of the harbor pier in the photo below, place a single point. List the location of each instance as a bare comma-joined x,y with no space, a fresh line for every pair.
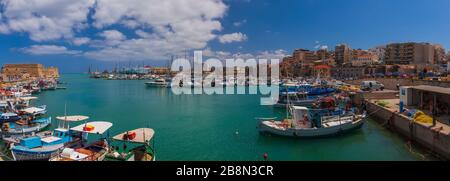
433,135
391,83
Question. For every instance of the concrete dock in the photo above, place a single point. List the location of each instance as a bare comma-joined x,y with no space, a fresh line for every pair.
435,139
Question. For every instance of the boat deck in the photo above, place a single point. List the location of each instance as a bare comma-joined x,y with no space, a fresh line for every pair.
48,148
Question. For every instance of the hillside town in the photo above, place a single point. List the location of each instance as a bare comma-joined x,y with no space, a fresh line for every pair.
410,59
403,60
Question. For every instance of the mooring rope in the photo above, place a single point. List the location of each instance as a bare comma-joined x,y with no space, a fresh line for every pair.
2,155
408,144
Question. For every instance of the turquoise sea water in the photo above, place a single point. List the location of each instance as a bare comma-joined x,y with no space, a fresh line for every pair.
203,127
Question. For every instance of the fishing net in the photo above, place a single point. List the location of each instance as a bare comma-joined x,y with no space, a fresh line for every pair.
420,116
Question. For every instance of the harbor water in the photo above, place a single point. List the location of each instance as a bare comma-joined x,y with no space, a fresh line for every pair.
211,127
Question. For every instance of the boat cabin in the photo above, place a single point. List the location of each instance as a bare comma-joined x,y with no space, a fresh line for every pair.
95,151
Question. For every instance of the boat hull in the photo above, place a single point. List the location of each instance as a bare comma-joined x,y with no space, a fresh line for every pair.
36,128
149,84
304,103
264,127
35,155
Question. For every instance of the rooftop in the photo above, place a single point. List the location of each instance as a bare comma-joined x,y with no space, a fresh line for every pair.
428,88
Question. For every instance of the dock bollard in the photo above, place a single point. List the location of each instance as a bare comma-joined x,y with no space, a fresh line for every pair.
401,106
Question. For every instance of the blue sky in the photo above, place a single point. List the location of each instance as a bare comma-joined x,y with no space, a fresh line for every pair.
75,35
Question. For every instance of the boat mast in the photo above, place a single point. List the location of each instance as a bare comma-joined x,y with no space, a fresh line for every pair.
287,105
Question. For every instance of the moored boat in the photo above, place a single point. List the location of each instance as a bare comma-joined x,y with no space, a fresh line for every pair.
304,125
35,110
94,151
142,149
41,146
158,82
295,98
9,117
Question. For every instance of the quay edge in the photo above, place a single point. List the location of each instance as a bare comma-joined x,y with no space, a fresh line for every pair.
435,141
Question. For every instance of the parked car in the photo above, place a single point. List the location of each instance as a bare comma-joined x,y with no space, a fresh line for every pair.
371,85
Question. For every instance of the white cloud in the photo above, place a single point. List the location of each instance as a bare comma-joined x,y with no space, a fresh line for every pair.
80,41
44,19
233,37
112,35
162,28
48,50
222,55
321,47
239,23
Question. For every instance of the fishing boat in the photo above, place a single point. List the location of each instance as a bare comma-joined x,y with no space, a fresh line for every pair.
158,82
26,126
326,119
27,122
321,91
303,124
295,98
42,146
95,151
35,110
310,90
140,138
9,117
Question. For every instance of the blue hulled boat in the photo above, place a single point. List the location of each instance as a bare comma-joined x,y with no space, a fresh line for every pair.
43,146
9,117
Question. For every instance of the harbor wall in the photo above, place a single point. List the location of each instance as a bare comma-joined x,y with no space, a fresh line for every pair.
360,98
435,141
391,83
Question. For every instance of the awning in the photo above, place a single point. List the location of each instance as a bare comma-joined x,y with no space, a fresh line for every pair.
32,110
72,118
428,88
98,127
143,135
27,98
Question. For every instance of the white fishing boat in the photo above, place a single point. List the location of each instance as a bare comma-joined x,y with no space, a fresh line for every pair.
35,110
303,125
144,151
158,82
95,151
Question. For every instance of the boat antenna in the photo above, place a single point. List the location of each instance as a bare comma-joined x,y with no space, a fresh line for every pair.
287,105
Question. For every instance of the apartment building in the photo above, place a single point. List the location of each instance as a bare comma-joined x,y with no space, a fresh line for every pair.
410,53
364,60
305,56
342,54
